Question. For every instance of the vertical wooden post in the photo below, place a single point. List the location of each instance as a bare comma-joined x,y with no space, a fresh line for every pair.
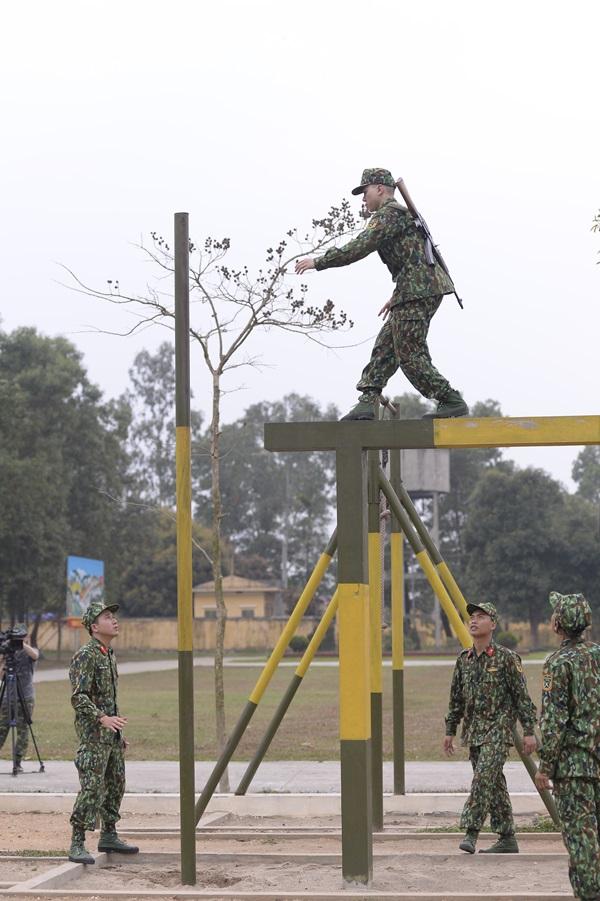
375,609
185,614
354,641
397,590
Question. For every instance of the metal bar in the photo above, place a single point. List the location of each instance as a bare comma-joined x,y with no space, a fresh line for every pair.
354,648
397,603
266,675
425,562
185,613
375,604
432,549
288,697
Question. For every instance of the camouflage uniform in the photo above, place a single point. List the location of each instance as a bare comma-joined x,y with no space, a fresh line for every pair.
489,693
418,291
100,758
570,752
24,667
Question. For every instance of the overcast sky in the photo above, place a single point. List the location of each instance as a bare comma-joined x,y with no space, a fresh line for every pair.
257,116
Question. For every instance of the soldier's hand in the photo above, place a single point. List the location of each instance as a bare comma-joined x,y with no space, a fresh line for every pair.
542,781
449,748
303,265
385,308
114,723
529,744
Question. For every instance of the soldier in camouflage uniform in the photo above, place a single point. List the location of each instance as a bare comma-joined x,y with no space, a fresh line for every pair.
488,693
570,727
100,757
418,292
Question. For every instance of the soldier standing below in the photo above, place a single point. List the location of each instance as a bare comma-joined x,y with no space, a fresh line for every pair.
570,727
488,693
418,292
100,757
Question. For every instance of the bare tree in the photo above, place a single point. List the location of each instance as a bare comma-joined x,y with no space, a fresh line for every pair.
228,305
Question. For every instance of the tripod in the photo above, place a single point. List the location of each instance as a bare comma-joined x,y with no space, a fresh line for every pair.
11,687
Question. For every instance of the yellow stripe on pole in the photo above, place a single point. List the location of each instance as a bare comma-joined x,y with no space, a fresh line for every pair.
397,586
453,589
374,547
185,613
318,636
512,432
290,627
355,694
442,595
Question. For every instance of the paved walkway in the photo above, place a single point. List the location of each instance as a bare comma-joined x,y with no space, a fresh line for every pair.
301,776
147,666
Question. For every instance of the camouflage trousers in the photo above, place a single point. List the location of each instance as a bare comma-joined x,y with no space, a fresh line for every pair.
402,343
22,727
578,804
102,778
489,793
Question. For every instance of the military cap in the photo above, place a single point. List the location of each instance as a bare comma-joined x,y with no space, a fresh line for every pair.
486,607
572,611
94,610
375,177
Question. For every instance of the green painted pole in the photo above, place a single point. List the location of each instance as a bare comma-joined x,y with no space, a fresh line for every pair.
185,613
266,675
289,695
375,611
397,592
354,668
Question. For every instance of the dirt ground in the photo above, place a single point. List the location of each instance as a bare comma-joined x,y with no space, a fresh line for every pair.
278,862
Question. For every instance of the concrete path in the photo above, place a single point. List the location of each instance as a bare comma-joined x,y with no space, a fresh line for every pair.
302,776
148,666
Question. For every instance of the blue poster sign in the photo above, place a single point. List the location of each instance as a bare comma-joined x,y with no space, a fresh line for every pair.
85,584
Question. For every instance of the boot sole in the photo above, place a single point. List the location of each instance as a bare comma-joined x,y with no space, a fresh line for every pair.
456,415
468,850
118,850
85,863
488,851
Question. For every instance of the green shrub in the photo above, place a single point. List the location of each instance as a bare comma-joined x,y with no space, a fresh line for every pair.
508,639
299,644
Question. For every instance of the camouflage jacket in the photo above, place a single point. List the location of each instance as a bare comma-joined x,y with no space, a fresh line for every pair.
392,232
489,693
94,677
570,719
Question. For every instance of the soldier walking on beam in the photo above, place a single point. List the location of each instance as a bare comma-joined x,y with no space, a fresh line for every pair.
420,284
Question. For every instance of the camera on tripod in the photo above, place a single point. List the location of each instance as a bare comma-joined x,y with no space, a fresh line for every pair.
12,640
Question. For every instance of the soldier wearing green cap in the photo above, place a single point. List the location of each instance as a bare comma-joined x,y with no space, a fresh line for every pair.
570,727
419,288
488,693
100,757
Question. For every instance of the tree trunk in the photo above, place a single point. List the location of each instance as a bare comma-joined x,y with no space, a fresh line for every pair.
217,515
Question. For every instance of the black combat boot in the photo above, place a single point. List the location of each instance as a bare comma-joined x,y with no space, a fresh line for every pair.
78,853
469,841
452,405
110,841
506,844
364,409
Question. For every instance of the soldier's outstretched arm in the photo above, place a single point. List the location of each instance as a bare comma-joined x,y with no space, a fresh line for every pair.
380,228
554,716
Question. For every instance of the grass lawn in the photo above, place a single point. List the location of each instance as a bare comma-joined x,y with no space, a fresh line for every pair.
308,732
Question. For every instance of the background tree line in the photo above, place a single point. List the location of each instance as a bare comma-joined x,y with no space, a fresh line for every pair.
82,475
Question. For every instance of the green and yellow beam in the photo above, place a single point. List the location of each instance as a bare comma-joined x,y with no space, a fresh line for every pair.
283,706
185,613
397,604
354,667
374,546
533,431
